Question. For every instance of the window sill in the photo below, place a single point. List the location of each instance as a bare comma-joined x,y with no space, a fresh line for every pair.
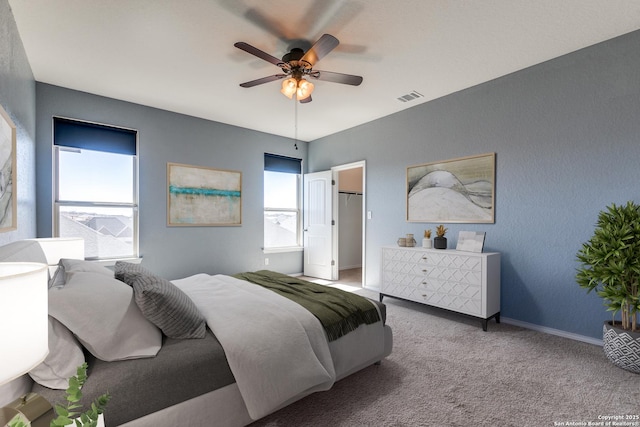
112,261
282,250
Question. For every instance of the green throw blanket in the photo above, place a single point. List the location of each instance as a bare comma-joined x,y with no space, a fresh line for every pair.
339,312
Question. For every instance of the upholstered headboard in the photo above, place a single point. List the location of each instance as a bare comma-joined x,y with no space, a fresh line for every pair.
46,251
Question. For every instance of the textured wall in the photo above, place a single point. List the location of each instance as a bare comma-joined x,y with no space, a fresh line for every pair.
168,137
18,97
567,138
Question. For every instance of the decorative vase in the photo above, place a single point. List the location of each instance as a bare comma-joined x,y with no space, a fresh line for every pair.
440,242
426,243
621,347
411,242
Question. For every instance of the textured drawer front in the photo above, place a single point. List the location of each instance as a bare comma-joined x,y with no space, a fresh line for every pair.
399,278
452,275
400,255
462,262
460,297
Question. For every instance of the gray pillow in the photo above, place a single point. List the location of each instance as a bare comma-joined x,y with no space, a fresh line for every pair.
67,267
103,315
162,302
65,355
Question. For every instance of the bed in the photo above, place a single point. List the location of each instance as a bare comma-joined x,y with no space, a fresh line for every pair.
202,348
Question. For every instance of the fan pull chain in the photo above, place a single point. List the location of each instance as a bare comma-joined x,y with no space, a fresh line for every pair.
295,124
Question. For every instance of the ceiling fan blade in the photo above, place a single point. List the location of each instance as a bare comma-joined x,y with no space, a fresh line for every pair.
324,45
262,21
259,53
306,100
267,79
329,76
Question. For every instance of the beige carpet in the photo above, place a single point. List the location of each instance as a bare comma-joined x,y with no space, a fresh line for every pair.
445,371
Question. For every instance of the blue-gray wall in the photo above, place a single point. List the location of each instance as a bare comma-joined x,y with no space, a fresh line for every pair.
18,98
566,134
169,137
567,138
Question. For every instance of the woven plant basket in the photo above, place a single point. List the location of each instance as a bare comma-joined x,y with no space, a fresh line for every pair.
621,347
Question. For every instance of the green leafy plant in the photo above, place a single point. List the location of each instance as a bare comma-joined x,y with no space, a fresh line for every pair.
68,414
610,262
17,422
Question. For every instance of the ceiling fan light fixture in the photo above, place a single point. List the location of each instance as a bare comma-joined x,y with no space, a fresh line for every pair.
289,87
305,89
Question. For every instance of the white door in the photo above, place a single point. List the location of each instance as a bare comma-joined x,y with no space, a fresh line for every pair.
318,233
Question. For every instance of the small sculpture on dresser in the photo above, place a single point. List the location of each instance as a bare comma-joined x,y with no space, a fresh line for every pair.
440,242
426,240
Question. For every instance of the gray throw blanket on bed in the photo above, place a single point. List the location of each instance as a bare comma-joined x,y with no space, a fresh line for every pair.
339,312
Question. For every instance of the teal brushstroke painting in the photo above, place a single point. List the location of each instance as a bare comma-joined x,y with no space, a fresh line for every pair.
203,191
202,196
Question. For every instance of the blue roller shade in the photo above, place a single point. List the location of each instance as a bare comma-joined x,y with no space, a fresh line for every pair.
91,136
275,163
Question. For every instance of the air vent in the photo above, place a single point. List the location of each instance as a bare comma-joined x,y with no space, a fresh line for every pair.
410,96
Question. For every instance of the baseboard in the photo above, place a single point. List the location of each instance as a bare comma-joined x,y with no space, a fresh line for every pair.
349,267
552,331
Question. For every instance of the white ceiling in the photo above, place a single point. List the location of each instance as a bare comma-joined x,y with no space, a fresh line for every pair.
179,55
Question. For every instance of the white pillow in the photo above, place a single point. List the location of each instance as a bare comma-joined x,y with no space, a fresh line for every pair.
102,314
67,267
65,355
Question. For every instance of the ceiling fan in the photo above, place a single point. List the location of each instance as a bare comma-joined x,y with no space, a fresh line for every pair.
296,65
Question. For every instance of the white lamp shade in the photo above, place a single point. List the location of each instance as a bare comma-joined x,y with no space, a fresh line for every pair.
55,248
23,318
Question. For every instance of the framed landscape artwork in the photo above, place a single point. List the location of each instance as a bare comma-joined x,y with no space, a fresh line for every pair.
202,196
8,203
458,190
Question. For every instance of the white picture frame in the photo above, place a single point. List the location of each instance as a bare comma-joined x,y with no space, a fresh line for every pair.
458,190
8,177
471,241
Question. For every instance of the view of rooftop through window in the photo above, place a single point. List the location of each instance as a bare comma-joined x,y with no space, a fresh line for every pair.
95,201
281,209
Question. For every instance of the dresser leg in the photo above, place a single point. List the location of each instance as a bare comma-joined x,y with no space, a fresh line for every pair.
485,321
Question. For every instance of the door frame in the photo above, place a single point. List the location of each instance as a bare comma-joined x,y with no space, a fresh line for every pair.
336,206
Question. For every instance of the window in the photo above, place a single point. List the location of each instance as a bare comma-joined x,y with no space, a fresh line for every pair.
282,177
96,187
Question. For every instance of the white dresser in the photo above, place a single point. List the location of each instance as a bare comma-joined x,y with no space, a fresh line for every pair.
464,282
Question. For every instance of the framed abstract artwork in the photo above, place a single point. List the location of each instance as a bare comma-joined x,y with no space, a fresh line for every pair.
458,190
8,202
202,196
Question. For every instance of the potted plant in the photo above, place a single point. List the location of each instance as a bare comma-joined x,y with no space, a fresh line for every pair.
610,265
69,414
440,242
426,239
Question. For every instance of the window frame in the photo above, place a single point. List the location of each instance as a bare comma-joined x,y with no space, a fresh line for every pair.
297,210
134,205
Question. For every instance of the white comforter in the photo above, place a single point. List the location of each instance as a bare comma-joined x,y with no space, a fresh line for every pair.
276,349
